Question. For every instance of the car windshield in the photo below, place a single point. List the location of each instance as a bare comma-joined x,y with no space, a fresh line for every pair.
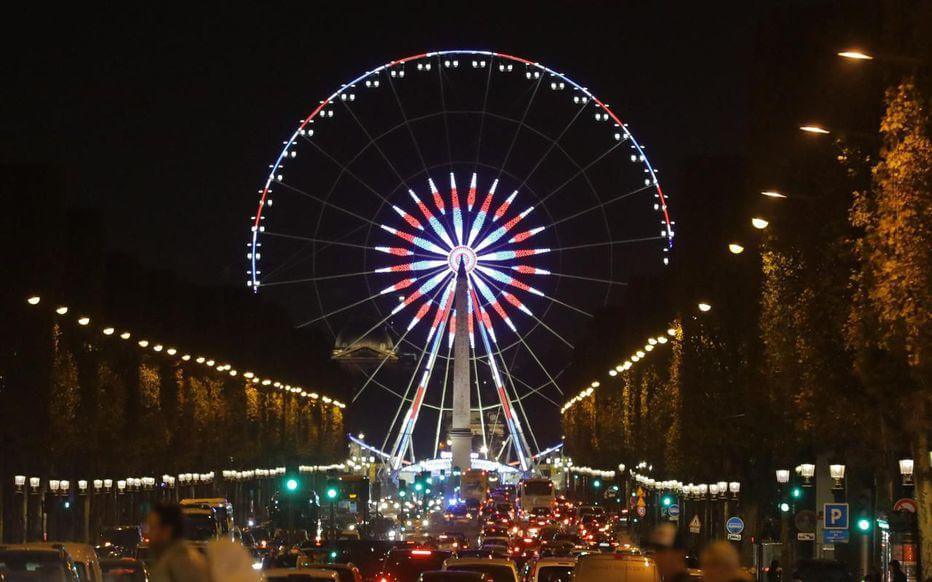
199,527
538,488
123,537
555,574
498,573
43,566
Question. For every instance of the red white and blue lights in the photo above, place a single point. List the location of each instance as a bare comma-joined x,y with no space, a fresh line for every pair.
479,240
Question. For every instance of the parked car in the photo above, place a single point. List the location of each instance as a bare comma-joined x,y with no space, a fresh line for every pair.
84,557
34,562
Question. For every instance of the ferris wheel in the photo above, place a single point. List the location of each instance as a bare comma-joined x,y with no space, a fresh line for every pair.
461,160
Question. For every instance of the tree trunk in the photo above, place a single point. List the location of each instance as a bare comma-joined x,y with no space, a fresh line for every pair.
923,485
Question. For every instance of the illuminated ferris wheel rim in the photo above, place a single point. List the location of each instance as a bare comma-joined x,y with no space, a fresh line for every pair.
254,282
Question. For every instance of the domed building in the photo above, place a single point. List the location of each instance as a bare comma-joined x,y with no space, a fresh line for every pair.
354,346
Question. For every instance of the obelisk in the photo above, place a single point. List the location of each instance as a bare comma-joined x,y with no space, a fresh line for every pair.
461,431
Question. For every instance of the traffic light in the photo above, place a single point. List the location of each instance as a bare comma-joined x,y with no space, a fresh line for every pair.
666,500
291,484
784,506
796,492
597,483
332,492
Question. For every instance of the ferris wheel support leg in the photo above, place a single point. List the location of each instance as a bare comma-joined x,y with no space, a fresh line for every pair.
403,440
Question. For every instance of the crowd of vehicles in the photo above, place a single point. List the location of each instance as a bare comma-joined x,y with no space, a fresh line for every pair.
509,535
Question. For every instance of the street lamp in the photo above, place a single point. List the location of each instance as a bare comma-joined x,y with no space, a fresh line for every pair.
906,470
759,223
735,488
807,471
704,307
54,484
19,481
735,248
773,194
816,129
838,474
33,300
783,476
108,484
855,55
722,489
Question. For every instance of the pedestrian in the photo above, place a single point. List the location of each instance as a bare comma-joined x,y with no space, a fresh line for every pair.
720,563
775,572
669,553
175,560
896,572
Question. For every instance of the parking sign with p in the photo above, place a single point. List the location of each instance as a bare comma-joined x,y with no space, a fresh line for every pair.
835,516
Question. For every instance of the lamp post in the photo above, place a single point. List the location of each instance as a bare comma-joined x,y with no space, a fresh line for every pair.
20,483
906,471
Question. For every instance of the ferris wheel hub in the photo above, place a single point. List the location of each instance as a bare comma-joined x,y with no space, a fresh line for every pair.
464,254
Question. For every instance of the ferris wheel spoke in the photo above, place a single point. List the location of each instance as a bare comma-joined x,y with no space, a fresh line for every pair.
527,422
375,143
582,170
371,377
314,279
443,395
514,137
351,305
534,317
603,204
345,169
405,399
485,102
327,203
626,241
404,116
553,144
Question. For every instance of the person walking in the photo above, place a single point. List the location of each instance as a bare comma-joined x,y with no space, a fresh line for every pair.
175,559
896,572
720,563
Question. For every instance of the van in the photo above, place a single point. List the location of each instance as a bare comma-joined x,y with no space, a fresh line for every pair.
620,567
223,511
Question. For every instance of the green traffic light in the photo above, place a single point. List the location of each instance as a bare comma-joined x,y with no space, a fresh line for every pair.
418,487
291,484
667,501
596,483
864,524
784,507
797,492
331,493
402,493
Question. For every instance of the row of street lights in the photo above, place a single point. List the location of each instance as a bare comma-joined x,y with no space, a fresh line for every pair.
221,367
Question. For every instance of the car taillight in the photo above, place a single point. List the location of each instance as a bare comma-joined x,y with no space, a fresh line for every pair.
421,552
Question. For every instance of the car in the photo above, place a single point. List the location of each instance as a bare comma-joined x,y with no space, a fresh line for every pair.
451,541
454,576
124,570
294,575
486,552
552,570
821,570
620,567
407,564
200,523
83,555
345,572
494,541
118,540
33,562
501,570
223,511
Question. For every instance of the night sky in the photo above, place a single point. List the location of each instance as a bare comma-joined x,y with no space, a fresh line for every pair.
166,120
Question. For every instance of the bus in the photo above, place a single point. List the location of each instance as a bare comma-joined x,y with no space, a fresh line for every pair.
474,485
535,493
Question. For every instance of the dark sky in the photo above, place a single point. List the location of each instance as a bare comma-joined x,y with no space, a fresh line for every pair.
166,120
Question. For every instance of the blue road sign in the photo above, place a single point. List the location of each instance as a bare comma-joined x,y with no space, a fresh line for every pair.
673,510
835,536
734,525
835,516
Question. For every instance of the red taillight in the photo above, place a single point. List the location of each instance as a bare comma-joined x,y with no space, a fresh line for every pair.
421,552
